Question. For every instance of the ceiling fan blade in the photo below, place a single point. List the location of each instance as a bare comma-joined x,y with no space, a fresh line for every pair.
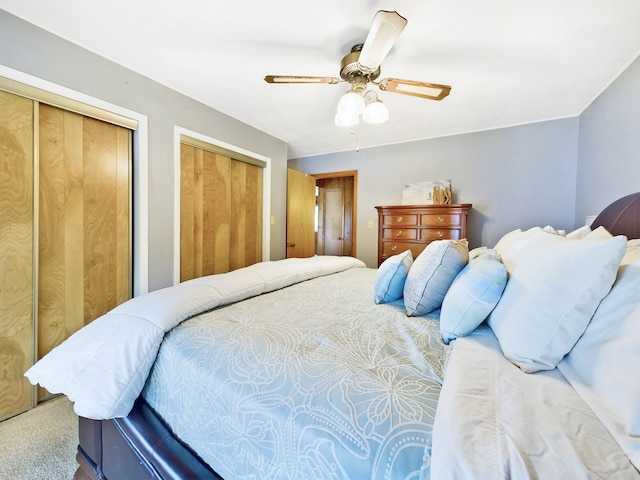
432,91
300,79
384,32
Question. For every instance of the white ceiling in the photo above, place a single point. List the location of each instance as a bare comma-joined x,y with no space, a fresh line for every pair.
509,62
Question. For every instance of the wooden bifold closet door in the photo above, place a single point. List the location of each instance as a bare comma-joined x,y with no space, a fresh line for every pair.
65,232
220,213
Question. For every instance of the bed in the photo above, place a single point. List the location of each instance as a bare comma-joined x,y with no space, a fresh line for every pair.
502,362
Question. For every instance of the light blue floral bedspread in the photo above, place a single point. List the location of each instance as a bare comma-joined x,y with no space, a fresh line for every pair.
314,381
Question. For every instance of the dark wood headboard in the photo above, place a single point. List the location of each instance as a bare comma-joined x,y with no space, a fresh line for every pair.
622,217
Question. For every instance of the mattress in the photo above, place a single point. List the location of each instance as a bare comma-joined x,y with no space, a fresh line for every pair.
310,381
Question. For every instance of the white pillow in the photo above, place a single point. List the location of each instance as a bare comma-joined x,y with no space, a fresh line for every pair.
555,285
586,232
602,366
432,274
392,273
472,295
599,233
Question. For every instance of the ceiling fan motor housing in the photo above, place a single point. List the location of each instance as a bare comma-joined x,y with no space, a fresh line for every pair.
351,71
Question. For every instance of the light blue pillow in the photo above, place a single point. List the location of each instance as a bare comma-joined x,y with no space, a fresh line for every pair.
389,282
432,274
472,296
555,286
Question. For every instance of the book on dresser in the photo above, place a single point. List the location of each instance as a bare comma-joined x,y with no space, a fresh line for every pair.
413,227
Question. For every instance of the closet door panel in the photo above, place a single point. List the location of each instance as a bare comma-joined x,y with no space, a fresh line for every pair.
187,213
216,215
16,253
72,204
106,218
60,239
204,213
99,219
246,211
198,212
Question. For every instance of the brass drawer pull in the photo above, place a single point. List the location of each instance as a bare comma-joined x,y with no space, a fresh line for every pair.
399,233
394,248
440,219
399,219
439,234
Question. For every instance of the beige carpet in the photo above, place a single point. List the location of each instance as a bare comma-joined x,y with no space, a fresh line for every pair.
40,444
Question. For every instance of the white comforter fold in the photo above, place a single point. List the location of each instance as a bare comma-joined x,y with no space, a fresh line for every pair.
103,367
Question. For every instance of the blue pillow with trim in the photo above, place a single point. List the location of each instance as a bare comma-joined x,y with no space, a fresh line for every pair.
472,296
432,274
392,273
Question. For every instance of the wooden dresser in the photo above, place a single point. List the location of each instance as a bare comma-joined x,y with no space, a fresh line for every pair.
413,227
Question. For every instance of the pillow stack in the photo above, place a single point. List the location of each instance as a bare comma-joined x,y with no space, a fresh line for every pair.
555,284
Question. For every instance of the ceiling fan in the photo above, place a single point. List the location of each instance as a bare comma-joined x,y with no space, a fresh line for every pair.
361,67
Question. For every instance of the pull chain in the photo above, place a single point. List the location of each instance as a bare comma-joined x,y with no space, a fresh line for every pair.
355,132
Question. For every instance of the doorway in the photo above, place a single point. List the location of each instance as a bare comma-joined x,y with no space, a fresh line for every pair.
336,194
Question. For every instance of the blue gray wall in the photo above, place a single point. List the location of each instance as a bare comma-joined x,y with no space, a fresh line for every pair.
609,146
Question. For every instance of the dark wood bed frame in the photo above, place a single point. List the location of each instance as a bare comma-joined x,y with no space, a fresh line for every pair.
140,446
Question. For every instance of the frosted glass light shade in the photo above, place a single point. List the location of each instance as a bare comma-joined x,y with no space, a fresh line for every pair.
376,112
351,103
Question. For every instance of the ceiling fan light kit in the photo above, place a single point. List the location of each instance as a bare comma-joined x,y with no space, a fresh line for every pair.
361,67
354,104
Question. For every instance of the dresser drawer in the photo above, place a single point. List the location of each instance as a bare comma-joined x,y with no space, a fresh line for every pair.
394,248
440,220
399,219
431,234
400,233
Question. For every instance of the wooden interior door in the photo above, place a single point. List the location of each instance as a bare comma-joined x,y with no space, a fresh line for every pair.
16,253
301,204
338,213
334,221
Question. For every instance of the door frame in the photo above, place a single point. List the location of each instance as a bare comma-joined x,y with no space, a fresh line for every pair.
354,203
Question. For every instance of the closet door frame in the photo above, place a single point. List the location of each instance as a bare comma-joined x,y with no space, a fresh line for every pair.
179,133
